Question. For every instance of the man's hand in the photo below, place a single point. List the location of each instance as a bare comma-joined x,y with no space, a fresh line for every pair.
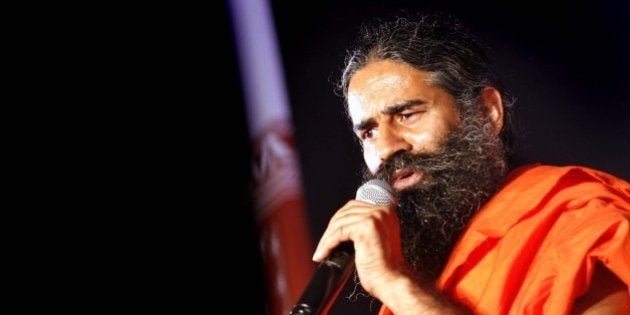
375,231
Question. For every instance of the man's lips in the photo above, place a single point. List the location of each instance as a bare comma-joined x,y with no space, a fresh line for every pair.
405,177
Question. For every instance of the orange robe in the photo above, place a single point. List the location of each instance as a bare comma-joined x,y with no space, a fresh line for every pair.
533,247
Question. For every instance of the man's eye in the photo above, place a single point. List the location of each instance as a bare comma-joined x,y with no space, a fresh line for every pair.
405,116
368,134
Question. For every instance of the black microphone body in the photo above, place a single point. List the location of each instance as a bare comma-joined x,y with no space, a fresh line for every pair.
329,276
334,271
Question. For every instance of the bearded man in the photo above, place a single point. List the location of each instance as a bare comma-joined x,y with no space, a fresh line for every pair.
470,233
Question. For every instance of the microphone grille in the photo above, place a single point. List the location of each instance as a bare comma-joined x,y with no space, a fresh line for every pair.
377,192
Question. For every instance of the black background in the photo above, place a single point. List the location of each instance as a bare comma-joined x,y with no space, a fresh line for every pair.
566,62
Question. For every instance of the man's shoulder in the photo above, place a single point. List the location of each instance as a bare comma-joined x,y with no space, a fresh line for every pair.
538,191
535,175
542,231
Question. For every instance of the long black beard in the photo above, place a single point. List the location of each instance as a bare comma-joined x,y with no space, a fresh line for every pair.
456,182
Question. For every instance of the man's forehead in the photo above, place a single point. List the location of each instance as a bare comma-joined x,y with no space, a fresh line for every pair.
385,83
355,110
362,106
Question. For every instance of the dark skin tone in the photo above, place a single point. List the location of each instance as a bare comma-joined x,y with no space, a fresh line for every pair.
393,107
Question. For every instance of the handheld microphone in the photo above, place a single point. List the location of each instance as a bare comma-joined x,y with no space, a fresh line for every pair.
333,272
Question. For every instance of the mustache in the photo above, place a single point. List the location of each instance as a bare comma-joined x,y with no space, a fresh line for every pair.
422,162
427,163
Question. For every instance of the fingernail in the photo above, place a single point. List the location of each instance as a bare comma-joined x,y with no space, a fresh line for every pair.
316,255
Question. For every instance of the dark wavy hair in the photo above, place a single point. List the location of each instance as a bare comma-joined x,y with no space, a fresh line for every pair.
439,45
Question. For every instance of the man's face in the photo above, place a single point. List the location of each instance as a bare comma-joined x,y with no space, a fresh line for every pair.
393,108
443,164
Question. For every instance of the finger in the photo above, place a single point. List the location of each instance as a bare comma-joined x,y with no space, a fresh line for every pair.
341,227
335,233
358,207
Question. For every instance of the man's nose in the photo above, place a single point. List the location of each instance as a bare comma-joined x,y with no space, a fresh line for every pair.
390,142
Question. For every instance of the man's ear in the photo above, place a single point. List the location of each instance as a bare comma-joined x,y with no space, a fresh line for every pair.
491,100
